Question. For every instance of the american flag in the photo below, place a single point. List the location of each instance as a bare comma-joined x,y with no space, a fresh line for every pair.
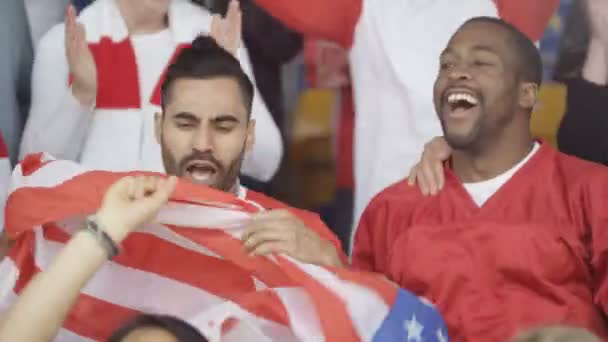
189,263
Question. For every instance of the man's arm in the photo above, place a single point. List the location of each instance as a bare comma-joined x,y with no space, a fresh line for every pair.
48,297
333,20
530,17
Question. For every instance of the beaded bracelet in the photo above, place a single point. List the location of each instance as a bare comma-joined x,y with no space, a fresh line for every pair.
102,237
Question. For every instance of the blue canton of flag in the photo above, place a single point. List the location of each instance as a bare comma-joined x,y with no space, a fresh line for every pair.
412,319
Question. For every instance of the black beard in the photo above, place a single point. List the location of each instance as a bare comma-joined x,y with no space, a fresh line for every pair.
229,175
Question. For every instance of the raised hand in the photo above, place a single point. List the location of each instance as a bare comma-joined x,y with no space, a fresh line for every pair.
279,231
227,31
80,59
331,61
597,11
132,202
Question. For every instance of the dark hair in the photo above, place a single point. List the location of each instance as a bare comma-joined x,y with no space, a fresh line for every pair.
183,331
204,60
529,59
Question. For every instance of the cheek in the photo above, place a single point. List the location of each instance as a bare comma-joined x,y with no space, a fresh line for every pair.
228,147
438,88
177,142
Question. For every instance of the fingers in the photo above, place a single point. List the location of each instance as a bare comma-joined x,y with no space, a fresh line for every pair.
254,240
70,19
271,215
215,22
426,177
139,187
165,188
80,36
271,247
411,178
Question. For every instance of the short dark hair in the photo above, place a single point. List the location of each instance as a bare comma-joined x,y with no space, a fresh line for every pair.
204,60
181,330
529,59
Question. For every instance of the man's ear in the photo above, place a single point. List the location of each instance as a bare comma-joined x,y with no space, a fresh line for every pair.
250,135
158,126
528,95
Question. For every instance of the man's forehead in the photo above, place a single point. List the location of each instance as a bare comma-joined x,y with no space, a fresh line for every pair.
206,99
480,36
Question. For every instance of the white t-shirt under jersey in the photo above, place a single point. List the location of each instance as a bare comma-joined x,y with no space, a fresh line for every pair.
482,191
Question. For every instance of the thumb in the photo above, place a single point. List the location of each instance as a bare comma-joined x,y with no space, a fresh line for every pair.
164,191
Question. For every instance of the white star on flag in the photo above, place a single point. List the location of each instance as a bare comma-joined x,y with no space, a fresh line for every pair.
414,329
440,337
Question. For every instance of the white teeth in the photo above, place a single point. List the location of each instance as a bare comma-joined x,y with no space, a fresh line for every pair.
455,97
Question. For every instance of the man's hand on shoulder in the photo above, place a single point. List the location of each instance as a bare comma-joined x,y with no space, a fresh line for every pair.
428,173
279,231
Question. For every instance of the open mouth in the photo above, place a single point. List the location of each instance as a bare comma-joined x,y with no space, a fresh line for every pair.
460,103
201,171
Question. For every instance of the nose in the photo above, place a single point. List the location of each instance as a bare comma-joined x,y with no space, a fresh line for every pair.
203,139
459,73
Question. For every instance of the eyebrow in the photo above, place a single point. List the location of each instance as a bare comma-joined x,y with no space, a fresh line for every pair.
186,116
225,118
479,47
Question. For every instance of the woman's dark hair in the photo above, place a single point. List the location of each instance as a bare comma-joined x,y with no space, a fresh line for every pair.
183,331
574,44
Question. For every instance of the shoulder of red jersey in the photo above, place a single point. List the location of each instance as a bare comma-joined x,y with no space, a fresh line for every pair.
580,171
398,193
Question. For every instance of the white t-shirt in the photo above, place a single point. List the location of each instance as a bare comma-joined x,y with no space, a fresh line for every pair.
482,191
147,45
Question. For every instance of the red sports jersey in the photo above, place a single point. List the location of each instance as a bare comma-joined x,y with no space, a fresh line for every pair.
535,253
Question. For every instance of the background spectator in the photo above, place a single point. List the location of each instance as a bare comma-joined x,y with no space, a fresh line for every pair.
583,66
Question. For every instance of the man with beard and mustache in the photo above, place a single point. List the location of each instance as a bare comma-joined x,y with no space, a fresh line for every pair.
205,129
516,237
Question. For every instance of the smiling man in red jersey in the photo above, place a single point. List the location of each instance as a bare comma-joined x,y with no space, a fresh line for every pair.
516,238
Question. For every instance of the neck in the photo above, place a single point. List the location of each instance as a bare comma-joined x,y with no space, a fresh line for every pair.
140,21
491,160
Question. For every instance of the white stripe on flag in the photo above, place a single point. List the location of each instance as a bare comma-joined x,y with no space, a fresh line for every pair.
65,335
366,308
49,176
302,314
230,221
133,288
259,329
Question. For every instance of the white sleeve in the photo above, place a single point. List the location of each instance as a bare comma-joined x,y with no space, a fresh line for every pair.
263,161
57,123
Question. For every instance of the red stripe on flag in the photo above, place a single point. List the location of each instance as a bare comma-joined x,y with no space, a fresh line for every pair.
32,163
89,316
220,277
97,319
22,254
82,195
375,282
231,248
